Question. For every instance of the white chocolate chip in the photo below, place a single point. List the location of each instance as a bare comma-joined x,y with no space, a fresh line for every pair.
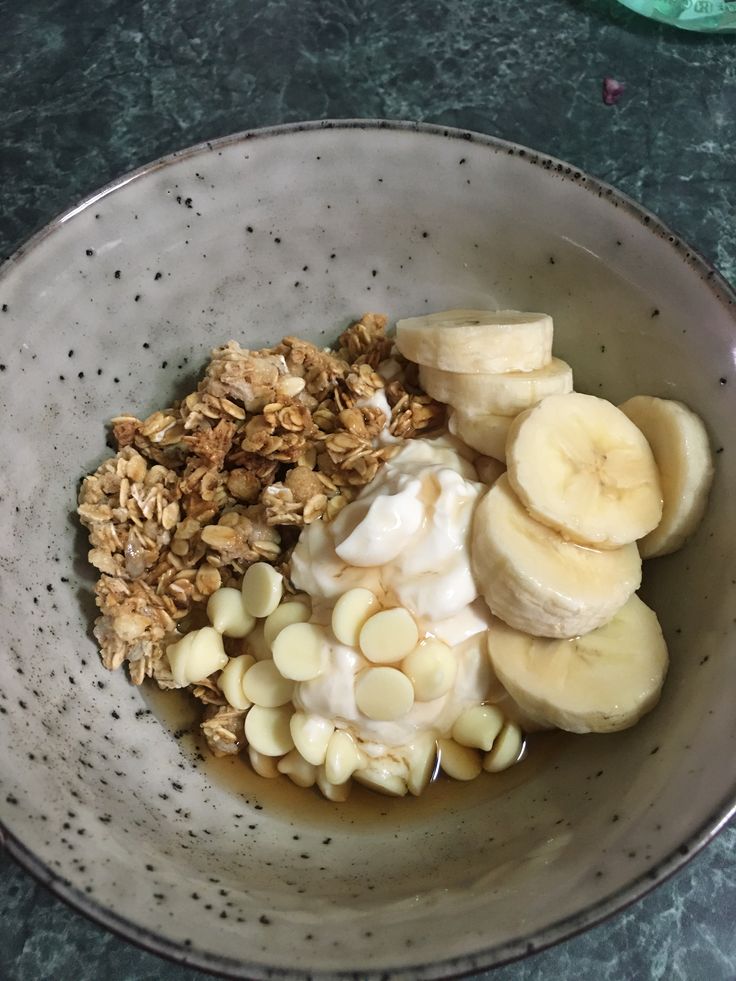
178,657
295,767
196,656
507,749
311,735
458,762
282,616
264,766
264,685
422,761
343,757
262,589
231,681
382,780
300,651
383,694
257,645
337,792
431,667
478,726
350,613
267,730
228,614
208,653
389,636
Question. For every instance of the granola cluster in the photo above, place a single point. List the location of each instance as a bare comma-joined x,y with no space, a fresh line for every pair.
270,441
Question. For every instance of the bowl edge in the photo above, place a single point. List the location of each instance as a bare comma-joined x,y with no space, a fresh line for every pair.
511,950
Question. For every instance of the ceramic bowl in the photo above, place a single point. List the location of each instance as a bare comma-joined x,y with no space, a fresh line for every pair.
104,794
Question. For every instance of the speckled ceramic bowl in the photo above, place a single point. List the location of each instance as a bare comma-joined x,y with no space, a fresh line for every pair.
103,794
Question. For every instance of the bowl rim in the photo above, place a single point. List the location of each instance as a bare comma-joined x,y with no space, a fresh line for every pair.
517,947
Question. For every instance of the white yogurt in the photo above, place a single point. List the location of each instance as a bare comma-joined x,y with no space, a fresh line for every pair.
406,538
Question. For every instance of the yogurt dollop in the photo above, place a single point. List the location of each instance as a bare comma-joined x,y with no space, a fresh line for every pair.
407,536
407,539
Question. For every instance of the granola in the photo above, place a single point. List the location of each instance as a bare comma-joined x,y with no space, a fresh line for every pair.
223,728
270,441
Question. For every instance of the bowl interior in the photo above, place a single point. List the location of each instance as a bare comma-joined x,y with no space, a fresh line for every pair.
297,232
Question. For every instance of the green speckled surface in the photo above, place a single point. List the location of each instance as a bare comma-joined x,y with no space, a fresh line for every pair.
93,89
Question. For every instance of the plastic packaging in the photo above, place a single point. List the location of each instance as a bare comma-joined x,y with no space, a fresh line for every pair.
691,15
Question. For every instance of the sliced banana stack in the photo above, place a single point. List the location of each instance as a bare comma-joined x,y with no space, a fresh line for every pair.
554,542
601,682
683,456
488,365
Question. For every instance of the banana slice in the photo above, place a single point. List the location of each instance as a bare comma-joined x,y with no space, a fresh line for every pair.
601,682
477,340
502,394
535,580
579,465
682,453
485,433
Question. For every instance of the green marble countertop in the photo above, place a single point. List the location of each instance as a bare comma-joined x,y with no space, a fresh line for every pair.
92,89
